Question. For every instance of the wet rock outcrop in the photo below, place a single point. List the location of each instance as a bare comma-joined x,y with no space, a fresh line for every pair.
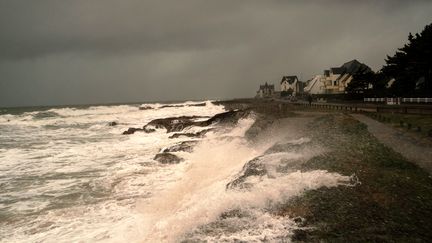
229,117
145,107
174,124
131,130
184,105
199,134
251,168
185,146
167,158
177,124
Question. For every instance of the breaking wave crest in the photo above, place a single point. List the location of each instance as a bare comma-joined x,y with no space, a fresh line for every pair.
193,207
70,176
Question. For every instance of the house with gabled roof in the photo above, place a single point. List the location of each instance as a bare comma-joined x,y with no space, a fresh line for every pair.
290,85
315,85
336,79
266,91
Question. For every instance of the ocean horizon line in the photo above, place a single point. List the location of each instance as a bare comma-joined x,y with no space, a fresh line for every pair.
112,103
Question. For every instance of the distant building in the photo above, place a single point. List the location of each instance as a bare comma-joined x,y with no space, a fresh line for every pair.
266,91
336,79
315,85
290,85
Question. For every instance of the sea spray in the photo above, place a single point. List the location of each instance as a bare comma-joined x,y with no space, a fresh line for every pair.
210,167
189,208
69,176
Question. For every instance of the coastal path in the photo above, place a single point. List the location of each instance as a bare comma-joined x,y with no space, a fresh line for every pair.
419,152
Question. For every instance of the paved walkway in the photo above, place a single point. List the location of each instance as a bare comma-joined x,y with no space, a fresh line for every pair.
409,147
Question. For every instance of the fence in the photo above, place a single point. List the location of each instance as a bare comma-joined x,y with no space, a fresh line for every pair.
404,109
375,100
417,100
396,101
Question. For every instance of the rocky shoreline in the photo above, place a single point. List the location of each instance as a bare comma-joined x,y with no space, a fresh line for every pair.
178,125
390,199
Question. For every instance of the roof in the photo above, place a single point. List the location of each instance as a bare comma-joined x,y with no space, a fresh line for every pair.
289,79
337,70
355,66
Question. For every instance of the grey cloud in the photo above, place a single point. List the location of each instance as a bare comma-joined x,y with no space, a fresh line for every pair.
59,52
37,28
34,29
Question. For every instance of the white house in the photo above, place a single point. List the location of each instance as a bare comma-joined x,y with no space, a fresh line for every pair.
315,85
336,79
290,85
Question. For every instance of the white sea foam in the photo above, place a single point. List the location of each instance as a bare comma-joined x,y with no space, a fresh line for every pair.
200,196
69,177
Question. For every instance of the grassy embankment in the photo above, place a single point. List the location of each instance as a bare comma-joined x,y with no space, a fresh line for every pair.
393,203
414,124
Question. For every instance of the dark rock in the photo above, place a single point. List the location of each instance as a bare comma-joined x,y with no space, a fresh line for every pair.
193,135
170,106
297,220
148,130
301,222
145,107
174,124
131,130
235,213
251,168
198,104
177,135
113,123
185,146
168,158
231,116
299,235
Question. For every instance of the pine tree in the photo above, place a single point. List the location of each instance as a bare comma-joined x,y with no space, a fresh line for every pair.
411,66
361,83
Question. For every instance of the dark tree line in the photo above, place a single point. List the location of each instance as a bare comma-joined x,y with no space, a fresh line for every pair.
408,73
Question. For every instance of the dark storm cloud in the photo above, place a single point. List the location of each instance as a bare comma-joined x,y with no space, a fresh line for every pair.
82,51
37,28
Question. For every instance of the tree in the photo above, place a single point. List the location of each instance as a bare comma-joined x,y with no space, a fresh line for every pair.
411,66
365,82
361,83
287,93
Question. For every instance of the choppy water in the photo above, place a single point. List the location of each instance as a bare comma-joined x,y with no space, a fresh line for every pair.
66,176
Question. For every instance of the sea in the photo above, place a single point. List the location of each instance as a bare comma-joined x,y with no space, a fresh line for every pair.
68,175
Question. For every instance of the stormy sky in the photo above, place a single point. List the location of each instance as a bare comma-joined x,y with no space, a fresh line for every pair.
99,51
